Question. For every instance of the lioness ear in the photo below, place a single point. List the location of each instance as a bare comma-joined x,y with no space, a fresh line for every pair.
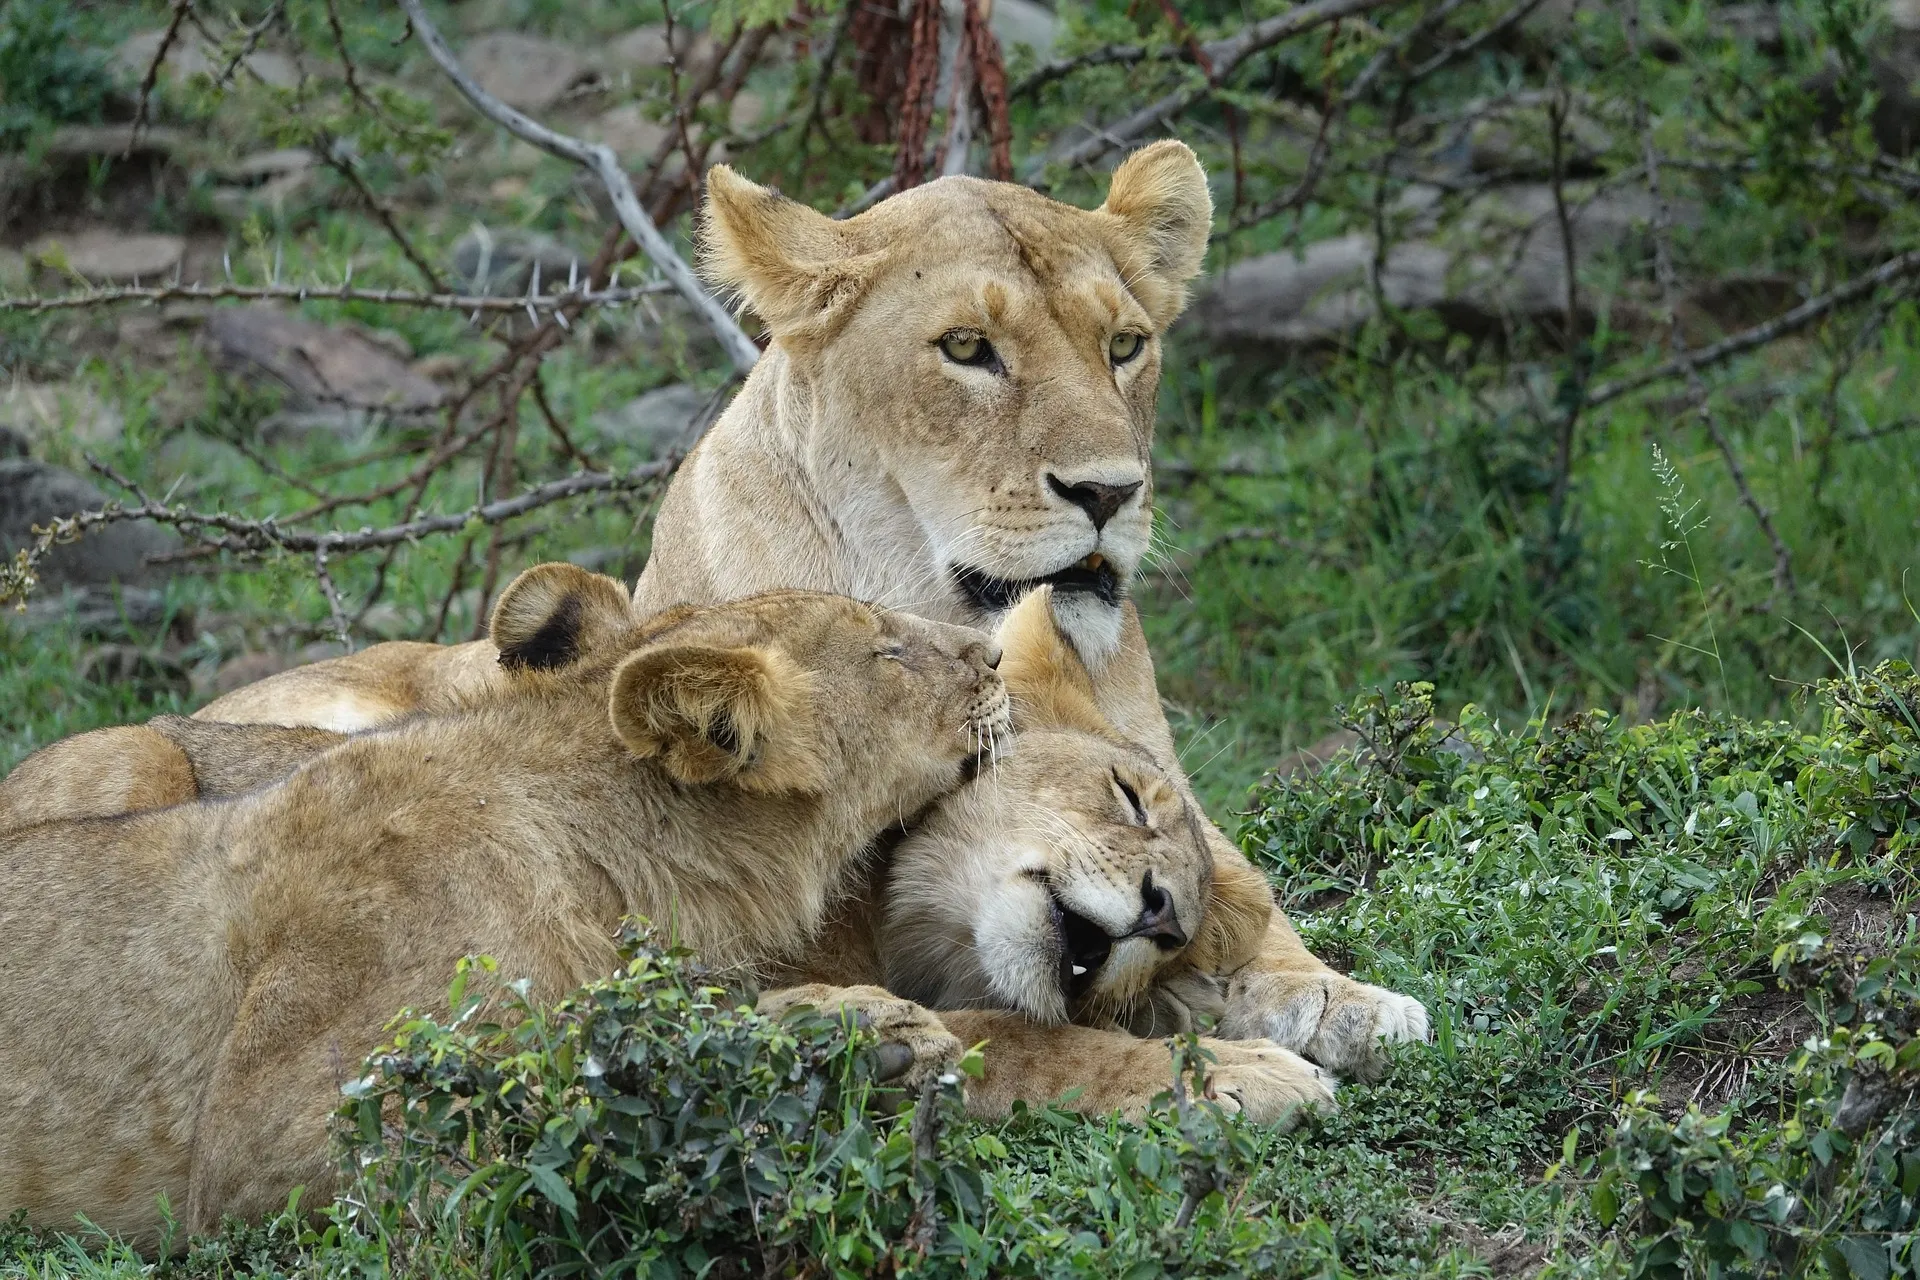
710,714
1049,684
1159,195
792,266
548,615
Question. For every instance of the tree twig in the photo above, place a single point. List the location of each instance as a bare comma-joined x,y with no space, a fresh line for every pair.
1227,56
601,161
1789,322
464,302
219,531
1670,294
147,82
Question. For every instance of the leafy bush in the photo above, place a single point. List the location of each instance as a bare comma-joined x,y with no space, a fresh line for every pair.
650,1125
1834,1187
49,73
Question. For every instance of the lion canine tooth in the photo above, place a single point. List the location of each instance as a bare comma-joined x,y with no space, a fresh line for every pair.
1078,970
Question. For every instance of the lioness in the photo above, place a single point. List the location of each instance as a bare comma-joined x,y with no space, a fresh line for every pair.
957,404
186,988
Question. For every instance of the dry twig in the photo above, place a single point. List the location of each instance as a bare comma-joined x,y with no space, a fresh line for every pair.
601,161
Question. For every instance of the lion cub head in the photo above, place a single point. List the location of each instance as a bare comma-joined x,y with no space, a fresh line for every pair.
1071,881
975,367
792,691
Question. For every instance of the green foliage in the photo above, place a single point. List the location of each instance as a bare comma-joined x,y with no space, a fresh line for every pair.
49,72
1830,1190
648,1126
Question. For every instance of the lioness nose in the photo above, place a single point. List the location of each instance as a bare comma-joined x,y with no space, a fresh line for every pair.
1158,918
983,654
1099,501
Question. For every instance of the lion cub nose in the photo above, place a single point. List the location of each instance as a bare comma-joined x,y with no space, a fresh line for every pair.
1099,501
1158,918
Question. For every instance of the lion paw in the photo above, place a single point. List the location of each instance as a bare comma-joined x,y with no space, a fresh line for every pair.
1341,1024
915,1046
1264,1082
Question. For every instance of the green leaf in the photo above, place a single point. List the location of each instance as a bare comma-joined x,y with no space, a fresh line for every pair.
1865,1257
554,1188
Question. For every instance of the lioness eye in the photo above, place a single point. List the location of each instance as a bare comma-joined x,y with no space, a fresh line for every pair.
1125,346
966,348
892,652
1133,800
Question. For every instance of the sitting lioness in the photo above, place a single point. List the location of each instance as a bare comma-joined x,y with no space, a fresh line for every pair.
185,989
957,404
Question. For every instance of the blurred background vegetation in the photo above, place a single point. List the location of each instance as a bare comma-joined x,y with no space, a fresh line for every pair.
1384,452
1463,398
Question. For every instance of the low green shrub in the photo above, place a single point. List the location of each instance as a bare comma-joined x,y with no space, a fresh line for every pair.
50,73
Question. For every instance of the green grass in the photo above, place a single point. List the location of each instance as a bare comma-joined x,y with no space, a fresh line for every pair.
1591,904
1638,944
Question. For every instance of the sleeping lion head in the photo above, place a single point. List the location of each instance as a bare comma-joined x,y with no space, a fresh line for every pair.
974,366
1071,880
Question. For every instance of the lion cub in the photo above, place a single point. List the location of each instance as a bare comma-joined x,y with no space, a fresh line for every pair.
187,988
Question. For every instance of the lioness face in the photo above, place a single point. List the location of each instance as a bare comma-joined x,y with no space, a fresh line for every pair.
1063,882
977,365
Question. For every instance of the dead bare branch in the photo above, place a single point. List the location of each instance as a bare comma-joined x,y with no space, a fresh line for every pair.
601,161
1226,56
545,303
220,531
1790,322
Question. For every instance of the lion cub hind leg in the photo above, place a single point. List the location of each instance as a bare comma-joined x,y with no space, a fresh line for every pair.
1341,1024
1096,1072
915,1045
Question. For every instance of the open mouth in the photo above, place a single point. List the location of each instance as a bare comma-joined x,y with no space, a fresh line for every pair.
1094,576
1084,948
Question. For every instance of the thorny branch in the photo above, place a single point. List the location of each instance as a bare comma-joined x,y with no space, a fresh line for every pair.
604,164
473,304
219,531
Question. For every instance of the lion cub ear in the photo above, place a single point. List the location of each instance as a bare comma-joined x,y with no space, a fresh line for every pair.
1159,196
711,714
549,615
1049,684
792,266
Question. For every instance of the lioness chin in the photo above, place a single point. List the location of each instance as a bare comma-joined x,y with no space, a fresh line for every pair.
186,988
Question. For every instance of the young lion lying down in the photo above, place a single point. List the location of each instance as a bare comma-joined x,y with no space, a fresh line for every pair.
185,989
1070,880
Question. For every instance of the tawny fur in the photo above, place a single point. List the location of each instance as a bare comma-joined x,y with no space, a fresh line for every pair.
187,988
858,459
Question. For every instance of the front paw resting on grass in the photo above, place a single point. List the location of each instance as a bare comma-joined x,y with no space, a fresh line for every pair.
1341,1024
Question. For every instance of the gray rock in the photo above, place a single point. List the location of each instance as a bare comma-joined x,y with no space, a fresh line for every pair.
190,55
107,612
116,142
153,672
13,444
1500,264
528,72
104,255
646,47
501,263
44,412
36,493
317,366
653,423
